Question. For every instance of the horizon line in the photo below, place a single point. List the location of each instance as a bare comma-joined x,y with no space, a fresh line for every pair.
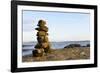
58,41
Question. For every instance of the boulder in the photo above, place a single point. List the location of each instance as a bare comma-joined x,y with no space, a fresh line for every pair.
38,52
88,45
72,45
43,28
42,33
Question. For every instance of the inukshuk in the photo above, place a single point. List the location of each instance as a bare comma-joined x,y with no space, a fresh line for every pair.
42,45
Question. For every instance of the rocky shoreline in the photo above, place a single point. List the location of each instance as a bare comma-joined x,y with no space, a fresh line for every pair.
69,53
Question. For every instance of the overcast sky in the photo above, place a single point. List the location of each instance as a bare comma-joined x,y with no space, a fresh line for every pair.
62,26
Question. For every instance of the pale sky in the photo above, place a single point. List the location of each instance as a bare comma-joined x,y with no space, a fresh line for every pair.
62,26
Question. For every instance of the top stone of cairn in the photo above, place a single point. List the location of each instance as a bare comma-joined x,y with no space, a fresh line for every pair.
41,23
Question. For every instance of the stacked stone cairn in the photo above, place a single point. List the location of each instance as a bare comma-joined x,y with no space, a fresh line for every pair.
43,46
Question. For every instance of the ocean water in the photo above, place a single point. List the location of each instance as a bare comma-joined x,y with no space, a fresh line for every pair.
27,47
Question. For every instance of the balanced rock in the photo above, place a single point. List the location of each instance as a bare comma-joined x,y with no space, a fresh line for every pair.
41,23
42,39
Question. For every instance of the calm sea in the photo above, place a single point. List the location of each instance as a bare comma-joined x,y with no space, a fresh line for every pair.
29,46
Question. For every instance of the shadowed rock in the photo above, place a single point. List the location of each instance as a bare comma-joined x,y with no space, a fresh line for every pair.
38,52
88,45
72,45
